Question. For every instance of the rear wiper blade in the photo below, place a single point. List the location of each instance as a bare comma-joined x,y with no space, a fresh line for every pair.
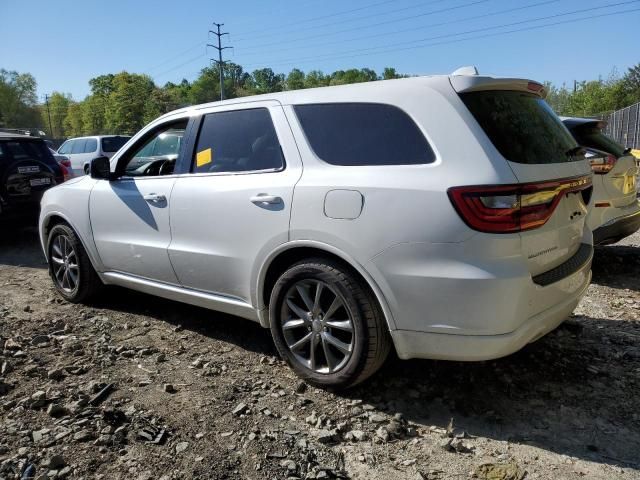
572,152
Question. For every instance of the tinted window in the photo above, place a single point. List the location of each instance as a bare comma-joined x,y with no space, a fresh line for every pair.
91,145
242,140
28,150
113,144
521,126
591,136
65,148
363,134
78,146
157,154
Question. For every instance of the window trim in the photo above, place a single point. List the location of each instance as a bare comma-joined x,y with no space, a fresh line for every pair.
197,130
434,161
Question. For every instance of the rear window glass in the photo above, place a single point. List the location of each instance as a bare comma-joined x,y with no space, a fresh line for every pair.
592,137
357,134
27,150
113,144
522,126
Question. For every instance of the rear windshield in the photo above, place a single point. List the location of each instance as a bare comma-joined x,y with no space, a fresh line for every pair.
113,144
522,126
17,150
591,136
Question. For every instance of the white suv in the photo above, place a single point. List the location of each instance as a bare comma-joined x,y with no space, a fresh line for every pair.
80,151
443,216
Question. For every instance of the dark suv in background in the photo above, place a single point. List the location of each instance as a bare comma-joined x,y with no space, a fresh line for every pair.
27,169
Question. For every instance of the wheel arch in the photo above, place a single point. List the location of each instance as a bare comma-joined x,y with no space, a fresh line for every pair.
292,252
55,218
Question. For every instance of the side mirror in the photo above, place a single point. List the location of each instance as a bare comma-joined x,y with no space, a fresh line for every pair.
100,168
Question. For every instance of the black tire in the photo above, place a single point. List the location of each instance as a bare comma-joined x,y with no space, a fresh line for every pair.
87,283
369,337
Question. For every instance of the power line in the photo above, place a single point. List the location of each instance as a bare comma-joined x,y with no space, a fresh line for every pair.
410,17
344,12
220,48
178,55
398,44
420,27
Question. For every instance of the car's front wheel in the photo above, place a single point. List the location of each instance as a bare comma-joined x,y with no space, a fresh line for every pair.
327,325
69,266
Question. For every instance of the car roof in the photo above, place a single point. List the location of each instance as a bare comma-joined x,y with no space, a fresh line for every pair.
461,81
17,136
572,122
98,137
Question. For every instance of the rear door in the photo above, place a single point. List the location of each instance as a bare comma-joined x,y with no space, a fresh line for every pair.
232,206
540,151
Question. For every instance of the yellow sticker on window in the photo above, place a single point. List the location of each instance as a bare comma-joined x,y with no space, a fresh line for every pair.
204,157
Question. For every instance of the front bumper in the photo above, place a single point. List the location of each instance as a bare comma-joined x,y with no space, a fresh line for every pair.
617,229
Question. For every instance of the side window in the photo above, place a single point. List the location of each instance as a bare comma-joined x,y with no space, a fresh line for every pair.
78,146
65,148
157,154
356,134
91,145
237,141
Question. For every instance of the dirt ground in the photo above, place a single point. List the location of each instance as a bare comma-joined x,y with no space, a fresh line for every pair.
139,387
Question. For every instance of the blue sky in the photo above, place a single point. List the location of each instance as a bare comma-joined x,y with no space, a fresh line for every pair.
64,43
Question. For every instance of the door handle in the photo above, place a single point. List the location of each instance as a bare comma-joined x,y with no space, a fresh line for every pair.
154,198
265,198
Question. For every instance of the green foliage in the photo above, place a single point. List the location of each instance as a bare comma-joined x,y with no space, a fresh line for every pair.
57,110
18,100
122,103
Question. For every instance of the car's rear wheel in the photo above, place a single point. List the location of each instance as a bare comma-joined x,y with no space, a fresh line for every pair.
327,325
71,270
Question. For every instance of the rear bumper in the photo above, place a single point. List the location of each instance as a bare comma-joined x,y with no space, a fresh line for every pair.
448,309
468,348
617,229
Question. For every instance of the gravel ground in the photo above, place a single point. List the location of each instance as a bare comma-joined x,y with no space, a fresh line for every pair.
139,387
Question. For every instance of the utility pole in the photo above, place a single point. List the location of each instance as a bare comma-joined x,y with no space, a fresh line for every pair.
46,100
220,48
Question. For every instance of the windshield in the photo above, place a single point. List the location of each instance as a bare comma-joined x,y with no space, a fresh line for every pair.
591,136
522,126
113,144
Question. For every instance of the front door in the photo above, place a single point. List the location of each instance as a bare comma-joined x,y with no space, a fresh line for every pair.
232,206
130,215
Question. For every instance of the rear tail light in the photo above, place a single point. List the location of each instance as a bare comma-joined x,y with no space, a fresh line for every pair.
514,208
66,175
602,165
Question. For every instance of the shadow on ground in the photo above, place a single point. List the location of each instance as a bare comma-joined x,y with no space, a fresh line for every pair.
20,246
574,392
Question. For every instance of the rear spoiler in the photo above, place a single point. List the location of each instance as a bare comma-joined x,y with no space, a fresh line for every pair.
474,83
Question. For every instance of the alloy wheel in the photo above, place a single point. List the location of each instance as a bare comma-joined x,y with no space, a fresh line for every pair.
317,326
64,262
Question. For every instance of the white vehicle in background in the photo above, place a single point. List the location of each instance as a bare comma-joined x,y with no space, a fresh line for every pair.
616,210
80,151
415,214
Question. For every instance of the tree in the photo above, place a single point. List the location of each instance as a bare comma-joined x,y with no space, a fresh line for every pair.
73,122
125,106
631,84
315,78
295,80
57,110
18,100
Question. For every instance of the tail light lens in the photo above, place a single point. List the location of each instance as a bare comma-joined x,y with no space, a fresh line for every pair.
514,208
65,171
602,165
